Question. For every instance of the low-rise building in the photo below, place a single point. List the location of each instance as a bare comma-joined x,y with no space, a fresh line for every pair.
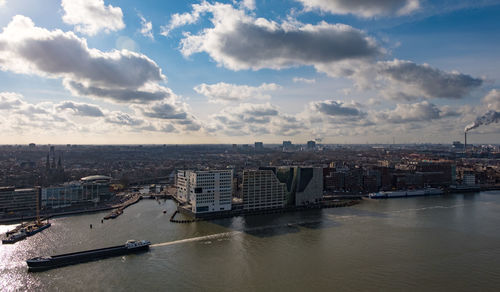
18,202
89,190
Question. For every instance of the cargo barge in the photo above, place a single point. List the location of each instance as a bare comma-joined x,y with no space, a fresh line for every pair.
50,262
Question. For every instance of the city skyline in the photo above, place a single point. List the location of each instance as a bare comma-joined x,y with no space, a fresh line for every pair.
223,72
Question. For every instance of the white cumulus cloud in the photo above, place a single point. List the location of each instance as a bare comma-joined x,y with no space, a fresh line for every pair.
92,16
303,80
225,92
146,28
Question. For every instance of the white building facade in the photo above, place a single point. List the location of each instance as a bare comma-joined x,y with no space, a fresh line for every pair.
182,184
206,191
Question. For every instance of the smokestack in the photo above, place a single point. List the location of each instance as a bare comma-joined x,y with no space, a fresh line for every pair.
465,146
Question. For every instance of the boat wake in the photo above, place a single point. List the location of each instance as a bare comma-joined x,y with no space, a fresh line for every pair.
199,238
426,208
233,233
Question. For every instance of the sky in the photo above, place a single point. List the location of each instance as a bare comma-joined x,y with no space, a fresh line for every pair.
213,72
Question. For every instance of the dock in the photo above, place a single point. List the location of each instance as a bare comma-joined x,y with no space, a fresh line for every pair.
120,207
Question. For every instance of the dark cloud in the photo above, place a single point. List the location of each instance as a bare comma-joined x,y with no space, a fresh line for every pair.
425,81
259,43
336,108
81,109
116,94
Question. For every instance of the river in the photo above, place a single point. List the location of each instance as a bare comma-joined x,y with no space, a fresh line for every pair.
442,243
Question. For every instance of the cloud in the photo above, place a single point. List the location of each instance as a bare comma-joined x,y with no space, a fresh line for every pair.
408,80
164,110
364,8
255,119
2,3
92,16
225,92
120,118
405,80
139,95
178,20
417,112
120,76
303,80
246,4
238,41
81,109
492,100
19,117
70,117
10,100
146,28
336,108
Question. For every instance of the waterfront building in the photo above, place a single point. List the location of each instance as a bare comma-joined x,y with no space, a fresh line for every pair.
469,178
206,191
304,185
18,202
89,190
96,186
182,184
309,186
262,190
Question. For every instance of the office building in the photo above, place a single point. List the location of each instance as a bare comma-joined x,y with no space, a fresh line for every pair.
259,146
206,191
311,145
262,190
287,145
182,184
309,186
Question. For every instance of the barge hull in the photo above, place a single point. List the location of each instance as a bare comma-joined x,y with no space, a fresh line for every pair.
82,257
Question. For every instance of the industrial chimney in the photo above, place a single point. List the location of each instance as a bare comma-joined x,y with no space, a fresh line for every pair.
465,146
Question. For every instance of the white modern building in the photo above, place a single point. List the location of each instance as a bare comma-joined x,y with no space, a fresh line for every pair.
182,184
206,191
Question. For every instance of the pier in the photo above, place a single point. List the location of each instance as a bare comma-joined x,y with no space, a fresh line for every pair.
120,207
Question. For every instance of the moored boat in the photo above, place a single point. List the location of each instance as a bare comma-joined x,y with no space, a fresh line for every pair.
13,238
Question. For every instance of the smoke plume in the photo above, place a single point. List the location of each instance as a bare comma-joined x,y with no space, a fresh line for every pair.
488,118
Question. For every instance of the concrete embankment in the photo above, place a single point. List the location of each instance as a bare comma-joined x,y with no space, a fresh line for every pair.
57,214
235,213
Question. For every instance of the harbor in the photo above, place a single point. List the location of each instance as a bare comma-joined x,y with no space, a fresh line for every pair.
462,228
